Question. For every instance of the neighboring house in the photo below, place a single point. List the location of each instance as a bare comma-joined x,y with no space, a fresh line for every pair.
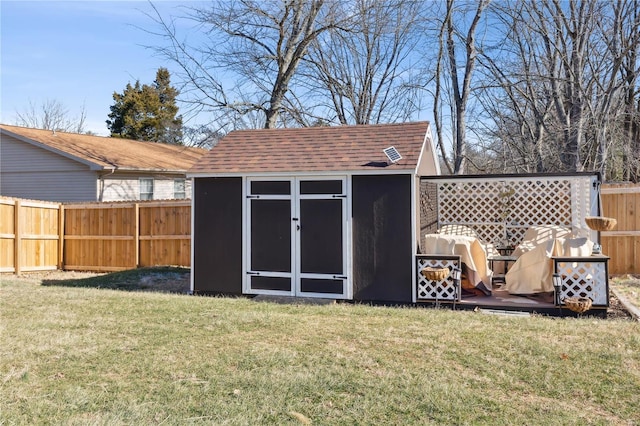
317,212
57,166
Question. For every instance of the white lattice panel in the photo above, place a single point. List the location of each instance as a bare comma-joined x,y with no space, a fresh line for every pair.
491,232
501,209
437,290
515,234
584,279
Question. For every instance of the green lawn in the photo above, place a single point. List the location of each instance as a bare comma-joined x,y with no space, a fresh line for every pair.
76,355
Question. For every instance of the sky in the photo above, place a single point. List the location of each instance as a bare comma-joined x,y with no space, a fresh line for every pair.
76,53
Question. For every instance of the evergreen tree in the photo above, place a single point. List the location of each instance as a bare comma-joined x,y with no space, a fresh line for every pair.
147,112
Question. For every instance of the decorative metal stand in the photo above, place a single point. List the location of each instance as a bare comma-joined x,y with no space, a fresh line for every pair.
432,284
581,278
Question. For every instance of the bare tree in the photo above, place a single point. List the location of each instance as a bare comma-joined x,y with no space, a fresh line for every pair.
250,57
516,93
201,136
629,43
564,75
449,40
51,115
364,70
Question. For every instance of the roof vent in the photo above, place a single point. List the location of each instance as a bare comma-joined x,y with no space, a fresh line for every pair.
392,154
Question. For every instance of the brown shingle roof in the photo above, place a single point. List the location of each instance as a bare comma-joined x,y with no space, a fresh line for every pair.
314,149
106,153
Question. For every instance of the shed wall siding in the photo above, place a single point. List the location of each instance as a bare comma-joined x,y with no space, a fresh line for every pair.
31,172
217,236
382,238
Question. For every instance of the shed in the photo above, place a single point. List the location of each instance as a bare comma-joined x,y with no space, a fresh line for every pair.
313,212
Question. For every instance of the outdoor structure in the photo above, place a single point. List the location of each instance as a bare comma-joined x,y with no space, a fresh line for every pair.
57,166
331,212
521,241
317,212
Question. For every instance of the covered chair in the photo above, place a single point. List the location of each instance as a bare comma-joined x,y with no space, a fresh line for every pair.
538,235
458,230
466,231
532,273
472,255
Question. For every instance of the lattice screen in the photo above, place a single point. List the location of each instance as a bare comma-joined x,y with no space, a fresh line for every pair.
428,208
584,279
501,209
431,290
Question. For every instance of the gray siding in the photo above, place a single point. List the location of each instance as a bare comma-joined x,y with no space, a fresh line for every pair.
31,172
27,171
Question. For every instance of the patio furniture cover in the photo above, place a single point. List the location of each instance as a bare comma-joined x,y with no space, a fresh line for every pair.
533,271
471,253
489,248
537,235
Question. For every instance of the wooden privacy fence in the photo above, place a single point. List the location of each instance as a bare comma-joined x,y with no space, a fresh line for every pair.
40,236
30,235
111,237
622,244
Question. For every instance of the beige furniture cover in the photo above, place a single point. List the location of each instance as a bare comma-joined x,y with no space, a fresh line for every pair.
489,248
533,271
537,235
471,253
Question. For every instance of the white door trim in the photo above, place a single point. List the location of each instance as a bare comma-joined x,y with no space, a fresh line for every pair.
295,275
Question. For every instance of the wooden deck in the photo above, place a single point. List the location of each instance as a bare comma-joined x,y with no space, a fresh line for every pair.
501,301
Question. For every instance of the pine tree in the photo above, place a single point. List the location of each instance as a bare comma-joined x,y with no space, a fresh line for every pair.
147,112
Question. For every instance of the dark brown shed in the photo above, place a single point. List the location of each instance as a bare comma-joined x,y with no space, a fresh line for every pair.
317,212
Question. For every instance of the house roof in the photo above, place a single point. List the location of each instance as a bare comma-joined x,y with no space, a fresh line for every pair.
106,153
320,149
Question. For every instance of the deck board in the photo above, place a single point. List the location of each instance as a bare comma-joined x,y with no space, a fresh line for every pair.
502,299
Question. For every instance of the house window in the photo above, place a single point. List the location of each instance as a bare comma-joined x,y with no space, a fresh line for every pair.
146,188
179,188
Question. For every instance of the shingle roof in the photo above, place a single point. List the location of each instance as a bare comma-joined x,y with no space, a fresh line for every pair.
105,153
315,149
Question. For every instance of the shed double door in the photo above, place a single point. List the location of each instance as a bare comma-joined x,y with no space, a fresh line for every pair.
297,237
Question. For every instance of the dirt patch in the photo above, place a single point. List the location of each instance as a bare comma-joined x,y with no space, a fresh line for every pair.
170,282
163,280
616,309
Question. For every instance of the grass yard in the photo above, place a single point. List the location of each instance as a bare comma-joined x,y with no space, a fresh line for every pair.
83,355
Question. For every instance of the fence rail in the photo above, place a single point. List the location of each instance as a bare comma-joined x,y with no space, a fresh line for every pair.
37,236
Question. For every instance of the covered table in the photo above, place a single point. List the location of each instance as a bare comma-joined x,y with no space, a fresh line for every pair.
471,253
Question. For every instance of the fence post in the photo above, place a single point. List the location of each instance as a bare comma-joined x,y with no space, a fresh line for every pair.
136,233
60,236
17,229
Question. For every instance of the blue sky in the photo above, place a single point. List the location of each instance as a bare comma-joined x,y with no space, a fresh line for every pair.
75,52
